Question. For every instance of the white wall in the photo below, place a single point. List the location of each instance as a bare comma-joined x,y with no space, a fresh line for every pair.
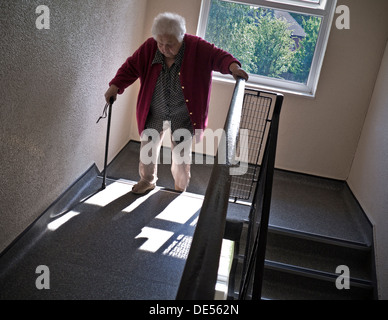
319,136
369,174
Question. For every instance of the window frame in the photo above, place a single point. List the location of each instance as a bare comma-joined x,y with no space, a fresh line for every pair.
324,9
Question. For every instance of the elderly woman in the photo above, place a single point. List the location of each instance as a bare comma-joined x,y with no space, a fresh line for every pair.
175,70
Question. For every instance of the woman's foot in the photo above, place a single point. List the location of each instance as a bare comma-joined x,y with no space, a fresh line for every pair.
142,187
179,189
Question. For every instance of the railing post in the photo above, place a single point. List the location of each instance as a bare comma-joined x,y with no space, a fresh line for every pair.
264,222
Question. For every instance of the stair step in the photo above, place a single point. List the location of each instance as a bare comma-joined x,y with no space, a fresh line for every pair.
320,238
315,274
312,254
281,285
281,279
302,265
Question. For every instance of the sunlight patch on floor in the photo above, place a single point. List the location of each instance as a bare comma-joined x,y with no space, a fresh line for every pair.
179,248
181,209
110,194
156,238
139,201
54,225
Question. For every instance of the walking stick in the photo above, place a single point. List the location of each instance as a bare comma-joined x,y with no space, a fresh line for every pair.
107,138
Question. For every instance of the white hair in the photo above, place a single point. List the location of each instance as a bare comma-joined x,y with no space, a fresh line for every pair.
169,24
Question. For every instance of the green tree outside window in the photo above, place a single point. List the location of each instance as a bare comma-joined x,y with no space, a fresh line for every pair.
268,42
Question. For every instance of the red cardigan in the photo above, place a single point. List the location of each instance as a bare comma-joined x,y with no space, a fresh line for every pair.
200,59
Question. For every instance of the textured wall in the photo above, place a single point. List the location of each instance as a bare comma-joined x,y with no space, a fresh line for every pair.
52,86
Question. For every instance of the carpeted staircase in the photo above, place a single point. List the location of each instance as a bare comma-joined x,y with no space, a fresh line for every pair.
91,240
315,227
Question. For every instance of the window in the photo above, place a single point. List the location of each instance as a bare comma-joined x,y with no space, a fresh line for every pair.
280,43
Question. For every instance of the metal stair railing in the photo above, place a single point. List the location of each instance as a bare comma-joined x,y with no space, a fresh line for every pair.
258,113
200,273
252,276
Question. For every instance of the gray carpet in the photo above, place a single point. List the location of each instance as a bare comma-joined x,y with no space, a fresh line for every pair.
299,202
112,244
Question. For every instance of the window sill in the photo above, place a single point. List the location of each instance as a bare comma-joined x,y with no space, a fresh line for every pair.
256,85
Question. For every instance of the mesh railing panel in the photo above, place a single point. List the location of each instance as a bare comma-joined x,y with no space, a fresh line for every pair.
252,136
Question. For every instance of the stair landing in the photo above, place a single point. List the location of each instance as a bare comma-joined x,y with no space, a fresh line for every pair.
111,245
